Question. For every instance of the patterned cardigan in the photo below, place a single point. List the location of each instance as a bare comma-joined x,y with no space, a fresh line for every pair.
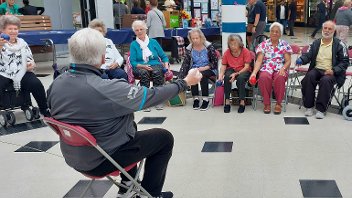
188,61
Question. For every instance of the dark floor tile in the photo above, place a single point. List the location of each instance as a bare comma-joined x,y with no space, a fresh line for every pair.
320,188
293,38
217,147
37,146
296,120
98,189
17,128
152,120
42,75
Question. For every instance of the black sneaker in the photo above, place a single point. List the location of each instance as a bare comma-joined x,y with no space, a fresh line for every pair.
241,108
205,105
196,104
45,112
227,108
167,194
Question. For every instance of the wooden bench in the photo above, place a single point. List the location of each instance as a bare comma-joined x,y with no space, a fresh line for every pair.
38,22
35,22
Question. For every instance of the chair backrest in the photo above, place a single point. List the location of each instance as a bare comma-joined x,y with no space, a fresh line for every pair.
71,134
295,49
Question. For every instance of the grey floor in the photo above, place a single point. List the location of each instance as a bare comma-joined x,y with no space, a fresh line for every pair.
249,155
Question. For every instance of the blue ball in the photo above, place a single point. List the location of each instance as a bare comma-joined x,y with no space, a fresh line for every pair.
5,36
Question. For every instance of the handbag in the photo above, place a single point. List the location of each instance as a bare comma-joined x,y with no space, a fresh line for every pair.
179,100
219,96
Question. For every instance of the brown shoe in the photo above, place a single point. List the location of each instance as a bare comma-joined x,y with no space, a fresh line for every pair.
267,109
277,109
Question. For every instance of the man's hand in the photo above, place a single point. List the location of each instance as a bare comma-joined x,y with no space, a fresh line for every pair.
253,29
221,77
114,65
329,72
167,66
30,66
193,77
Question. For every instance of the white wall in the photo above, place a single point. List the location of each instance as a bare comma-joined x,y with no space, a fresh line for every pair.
104,12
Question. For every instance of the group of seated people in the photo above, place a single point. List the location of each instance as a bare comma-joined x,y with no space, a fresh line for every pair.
10,7
95,58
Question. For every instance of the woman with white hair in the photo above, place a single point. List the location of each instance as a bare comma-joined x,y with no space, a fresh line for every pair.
200,54
113,59
235,67
343,21
17,63
145,57
273,62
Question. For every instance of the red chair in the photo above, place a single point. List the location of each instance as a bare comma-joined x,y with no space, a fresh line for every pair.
78,136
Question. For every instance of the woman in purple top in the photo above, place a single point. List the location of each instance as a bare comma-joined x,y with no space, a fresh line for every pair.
273,61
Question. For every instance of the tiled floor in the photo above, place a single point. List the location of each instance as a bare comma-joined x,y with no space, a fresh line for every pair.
216,155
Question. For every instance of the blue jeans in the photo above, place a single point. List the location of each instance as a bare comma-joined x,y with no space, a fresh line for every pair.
284,23
117,73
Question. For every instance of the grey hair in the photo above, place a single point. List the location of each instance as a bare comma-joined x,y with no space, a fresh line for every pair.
97,23
87,46
347,3
139,23
277,24
235,37
6,20
200,33
329,21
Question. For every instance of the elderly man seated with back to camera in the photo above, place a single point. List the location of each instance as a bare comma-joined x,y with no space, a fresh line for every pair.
105,108
328,59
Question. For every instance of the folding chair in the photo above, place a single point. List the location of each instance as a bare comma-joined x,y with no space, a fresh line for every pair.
296,51
77,136
249,87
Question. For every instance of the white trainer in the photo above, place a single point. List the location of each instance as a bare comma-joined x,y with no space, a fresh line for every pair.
319,115
309,112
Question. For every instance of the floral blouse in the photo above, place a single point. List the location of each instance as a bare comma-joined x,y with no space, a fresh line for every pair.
274,58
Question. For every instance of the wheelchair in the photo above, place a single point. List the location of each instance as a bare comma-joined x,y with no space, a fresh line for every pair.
11,100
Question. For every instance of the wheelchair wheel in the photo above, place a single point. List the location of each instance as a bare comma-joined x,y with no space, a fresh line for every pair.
344,102
347,113
11,119
29,114
3,120
35,111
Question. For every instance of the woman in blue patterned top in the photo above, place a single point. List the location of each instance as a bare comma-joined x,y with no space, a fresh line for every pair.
200,54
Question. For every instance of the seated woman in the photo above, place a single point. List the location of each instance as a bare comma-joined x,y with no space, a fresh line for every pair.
235,66
273,61
200,54
17,64
147,58
113,59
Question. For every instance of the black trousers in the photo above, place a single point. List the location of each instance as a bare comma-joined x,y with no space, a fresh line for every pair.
240,82
29,83
318,27
156,75
326,86
204,84
153,144
291,24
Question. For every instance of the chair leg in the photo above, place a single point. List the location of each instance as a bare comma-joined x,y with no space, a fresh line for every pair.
88,186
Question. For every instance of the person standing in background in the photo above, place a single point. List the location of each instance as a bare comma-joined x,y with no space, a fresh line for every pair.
30,10
292,15
337,5
156,22
136,9
9,7
321,17
343,21
119,9
259,13
282,14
